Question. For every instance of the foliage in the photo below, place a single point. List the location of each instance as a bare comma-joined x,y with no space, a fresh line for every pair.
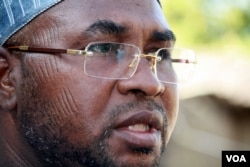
210,24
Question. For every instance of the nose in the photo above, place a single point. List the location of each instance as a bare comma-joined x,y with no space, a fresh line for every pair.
143,81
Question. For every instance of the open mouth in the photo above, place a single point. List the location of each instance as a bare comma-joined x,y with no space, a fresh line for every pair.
139,128
140,131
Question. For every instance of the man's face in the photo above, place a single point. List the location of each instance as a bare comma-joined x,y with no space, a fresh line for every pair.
71,119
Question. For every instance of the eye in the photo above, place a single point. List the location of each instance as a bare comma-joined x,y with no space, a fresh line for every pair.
102,48
165,54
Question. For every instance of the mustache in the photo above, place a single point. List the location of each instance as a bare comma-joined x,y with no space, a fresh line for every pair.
139,104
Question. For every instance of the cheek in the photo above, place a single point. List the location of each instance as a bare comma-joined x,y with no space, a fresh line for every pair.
62,102
91,100
171,103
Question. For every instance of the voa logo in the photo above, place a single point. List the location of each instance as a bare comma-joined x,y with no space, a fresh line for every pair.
236,158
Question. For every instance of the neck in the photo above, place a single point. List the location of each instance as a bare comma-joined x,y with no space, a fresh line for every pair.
14,151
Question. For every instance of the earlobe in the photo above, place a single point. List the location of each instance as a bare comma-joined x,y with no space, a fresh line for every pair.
7,89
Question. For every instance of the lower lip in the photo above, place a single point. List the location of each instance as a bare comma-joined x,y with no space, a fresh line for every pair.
139,139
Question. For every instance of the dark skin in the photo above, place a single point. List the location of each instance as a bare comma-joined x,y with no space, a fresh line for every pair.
52,114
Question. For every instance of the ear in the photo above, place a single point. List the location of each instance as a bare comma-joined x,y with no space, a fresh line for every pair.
7,89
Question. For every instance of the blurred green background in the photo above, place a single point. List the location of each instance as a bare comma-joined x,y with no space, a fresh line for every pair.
215,105
212,24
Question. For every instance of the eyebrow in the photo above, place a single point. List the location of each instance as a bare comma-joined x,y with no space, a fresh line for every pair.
109,27
166,35
106,27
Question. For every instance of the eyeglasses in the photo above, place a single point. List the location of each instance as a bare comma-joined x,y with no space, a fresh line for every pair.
112,60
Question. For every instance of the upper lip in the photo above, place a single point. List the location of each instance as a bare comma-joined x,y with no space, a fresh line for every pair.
152,118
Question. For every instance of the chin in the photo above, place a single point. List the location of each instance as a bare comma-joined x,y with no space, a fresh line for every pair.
139,160
125,154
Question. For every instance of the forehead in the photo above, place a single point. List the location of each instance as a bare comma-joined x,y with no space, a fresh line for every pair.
113,9
72,17
102,5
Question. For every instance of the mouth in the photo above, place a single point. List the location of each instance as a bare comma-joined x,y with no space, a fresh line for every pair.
140,131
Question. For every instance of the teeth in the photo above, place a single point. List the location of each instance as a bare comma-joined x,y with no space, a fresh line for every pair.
139,128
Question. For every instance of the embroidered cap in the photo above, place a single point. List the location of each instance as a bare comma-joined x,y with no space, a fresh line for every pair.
14,14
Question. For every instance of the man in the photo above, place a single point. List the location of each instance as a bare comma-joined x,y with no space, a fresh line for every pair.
103,103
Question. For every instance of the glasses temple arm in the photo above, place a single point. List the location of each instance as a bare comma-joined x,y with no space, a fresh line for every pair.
183,61
47,50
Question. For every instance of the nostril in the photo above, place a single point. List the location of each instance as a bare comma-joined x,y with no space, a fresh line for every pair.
139,93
